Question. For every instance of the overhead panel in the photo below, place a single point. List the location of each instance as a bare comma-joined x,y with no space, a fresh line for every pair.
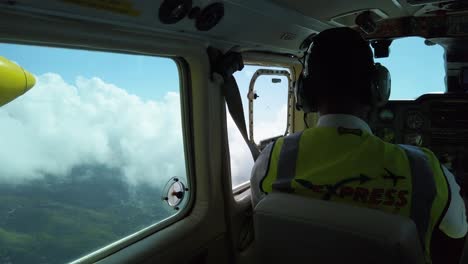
329,10
349,19
249,25
423,2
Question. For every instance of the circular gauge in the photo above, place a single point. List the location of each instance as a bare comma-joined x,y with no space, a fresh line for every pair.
386,115
415,120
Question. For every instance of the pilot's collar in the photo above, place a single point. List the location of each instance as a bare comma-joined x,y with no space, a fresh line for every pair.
342,120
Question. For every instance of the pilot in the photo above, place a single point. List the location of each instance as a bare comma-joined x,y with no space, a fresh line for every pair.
341,160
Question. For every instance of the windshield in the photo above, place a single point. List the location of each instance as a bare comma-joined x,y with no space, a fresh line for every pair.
415,68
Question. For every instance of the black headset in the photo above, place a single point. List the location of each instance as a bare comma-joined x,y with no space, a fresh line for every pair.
380,85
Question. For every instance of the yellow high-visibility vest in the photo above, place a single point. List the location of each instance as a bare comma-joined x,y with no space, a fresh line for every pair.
357,168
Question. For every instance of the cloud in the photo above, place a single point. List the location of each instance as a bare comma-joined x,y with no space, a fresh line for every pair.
271,124
241,159
57,126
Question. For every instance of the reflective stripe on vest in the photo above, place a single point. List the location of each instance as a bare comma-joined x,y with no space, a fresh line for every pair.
287,163
424,189
423,184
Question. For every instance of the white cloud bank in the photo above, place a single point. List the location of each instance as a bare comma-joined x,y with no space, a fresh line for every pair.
241,160
57,126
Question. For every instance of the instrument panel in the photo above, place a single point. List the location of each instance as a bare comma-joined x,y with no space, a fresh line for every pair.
435,121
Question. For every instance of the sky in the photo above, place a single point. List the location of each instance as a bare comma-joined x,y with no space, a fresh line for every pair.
92,108
140,75
123,110
415,68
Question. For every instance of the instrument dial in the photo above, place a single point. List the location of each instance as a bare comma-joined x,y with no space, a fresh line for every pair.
415,120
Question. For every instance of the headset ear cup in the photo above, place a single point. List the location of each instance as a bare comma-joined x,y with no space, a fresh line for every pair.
302,102
381,85
297,91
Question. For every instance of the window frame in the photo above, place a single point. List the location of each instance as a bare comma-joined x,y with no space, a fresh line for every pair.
289,100
240,190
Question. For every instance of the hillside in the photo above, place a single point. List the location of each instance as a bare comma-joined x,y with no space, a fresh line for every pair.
57,219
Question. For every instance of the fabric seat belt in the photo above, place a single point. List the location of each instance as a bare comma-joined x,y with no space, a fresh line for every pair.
231,63
234,104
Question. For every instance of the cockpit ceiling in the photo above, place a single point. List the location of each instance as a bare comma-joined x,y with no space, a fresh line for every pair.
246,25
328,11
278,26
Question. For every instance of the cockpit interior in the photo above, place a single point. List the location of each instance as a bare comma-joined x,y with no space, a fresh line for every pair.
134,141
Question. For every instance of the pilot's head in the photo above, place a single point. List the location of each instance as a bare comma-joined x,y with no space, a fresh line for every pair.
340,73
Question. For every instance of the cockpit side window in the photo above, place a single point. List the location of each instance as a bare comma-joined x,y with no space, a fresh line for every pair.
269,104
91,155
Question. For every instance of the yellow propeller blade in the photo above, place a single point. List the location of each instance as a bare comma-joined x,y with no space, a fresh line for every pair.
14,81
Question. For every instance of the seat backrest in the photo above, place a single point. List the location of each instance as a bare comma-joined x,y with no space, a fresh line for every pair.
291,228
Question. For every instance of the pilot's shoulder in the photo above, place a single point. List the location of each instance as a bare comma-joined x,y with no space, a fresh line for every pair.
433,160
389,147
266,152
271,150
402,147
429,153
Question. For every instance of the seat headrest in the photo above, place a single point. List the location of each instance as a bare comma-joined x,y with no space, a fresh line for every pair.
291,228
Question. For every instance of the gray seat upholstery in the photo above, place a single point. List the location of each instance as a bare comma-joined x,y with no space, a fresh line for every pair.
290,228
